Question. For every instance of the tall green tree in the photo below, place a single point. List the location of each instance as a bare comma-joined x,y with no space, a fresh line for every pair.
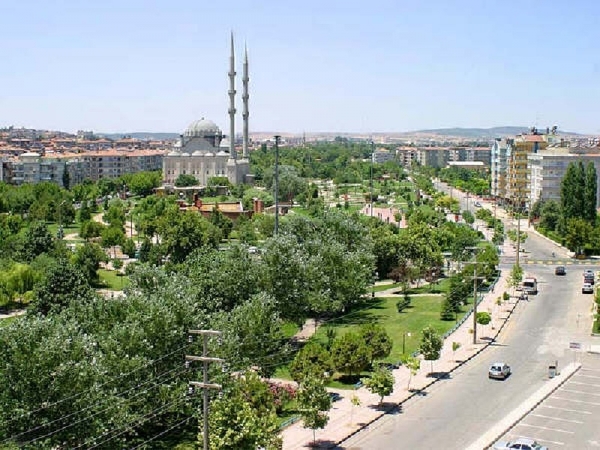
87,259
431,345
313,360
590,193
350,354
314,403
377,339
37,240
63,285
244,418
572,192
381,382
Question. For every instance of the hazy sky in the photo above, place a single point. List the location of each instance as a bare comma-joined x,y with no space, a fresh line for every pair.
315,65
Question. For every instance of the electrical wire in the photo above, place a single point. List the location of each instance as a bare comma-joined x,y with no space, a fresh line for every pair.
60,419
177,425
79,394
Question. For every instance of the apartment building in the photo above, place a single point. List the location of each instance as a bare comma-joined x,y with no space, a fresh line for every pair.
547,168
31,167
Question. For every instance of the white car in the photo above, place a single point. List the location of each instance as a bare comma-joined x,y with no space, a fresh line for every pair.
520,443
587,288
499,371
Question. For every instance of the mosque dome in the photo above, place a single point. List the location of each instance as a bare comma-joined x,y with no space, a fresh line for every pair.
201,128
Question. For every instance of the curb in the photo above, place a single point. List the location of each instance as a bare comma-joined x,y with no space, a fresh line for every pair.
396,406
511,420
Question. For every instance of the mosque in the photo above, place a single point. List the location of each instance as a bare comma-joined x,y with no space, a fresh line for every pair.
202,151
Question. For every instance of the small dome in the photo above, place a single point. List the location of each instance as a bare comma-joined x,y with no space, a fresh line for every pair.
201,128
222,153
208,154
197,153
174,153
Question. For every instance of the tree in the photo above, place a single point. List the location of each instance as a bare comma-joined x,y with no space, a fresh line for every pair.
572,191
350,354
37,240
578,232
516,276
590,189
455,346
483,318
63,285
448,311
91,229
87,258
313,360
377,339
112,236
313,403
381,382
129,247
354,401
252,335
185,180
245,417
184,232
431,345
413,365
84,212
550,215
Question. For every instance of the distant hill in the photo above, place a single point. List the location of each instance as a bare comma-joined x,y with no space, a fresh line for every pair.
141,135
484,132
477,132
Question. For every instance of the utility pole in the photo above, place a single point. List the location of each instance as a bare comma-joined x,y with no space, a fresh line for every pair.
475,303
204,385
277,184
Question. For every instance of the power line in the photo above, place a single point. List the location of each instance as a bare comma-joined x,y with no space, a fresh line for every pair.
83,410
177,425
79,394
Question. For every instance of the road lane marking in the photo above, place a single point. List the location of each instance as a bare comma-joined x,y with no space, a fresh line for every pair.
558,430
590,370
551,442
587,376
575,401
578,392
565,409
585,384
556,418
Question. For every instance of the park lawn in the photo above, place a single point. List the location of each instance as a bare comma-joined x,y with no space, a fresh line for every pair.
385,287
289,329
6,322
424,311
111,281
67,229
440,287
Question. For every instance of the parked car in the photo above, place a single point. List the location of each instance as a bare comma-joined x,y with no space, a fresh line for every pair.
477,205
520,443
560,270
499,371
335,397
587,288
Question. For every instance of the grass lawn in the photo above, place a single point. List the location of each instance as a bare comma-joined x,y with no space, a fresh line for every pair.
8,321
67,229
290,329
109,280
422,312
440,287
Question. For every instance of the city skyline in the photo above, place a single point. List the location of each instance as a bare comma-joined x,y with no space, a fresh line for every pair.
341,67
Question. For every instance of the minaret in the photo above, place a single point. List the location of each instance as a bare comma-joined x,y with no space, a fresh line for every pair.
245,96
232,154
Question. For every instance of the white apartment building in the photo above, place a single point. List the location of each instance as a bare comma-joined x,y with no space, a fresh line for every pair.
548,167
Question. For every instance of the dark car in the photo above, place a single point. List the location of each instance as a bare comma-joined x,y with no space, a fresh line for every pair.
560,270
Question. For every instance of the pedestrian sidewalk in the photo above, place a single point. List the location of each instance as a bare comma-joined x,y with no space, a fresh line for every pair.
346,419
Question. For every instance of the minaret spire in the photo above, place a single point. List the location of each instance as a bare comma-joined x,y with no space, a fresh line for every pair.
231,111
245,97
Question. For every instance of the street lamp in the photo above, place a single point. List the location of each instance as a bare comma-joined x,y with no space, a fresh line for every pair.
375,278
406,333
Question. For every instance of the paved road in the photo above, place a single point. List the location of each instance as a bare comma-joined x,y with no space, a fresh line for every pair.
459,410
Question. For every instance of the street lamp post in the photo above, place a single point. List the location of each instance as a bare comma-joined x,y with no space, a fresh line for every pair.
406,333
375,278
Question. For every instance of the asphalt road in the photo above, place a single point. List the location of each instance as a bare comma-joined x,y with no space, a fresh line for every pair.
455,412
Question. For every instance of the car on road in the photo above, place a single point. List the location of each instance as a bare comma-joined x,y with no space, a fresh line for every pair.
499,371
520,443
477,205
587,288
560,270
